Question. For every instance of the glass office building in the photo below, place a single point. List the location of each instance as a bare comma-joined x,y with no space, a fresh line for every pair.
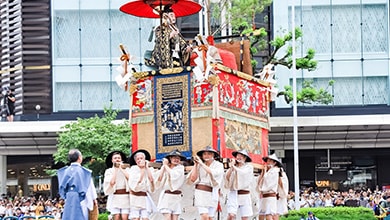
351,40
86,36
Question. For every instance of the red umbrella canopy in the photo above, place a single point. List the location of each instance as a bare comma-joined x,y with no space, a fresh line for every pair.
150,8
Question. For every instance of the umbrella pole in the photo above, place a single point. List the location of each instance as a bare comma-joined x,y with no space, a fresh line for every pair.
161,30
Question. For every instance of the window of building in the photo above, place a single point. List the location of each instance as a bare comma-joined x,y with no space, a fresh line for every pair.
28,177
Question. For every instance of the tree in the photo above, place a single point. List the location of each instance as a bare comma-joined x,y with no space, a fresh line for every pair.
95,137
308,94
242,14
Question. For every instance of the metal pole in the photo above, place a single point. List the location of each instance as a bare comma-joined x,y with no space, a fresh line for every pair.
201,20
206,18
295,112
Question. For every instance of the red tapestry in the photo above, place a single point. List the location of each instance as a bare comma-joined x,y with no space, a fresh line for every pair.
143,96
242,95
234,93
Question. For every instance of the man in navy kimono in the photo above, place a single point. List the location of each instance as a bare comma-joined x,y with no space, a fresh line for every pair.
76,187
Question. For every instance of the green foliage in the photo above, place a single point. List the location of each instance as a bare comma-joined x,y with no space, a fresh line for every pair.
95,137
250,8
333,213
308,94
103,216
258,42
305,62
241,13
51,172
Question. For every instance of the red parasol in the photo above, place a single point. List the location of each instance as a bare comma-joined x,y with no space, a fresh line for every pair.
150,8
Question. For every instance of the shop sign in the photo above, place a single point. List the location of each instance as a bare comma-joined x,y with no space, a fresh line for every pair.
323,183
41,187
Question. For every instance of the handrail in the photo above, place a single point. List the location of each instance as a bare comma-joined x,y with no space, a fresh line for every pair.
46,217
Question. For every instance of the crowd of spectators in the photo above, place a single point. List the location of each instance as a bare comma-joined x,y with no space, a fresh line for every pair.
36,207
31,206
378,201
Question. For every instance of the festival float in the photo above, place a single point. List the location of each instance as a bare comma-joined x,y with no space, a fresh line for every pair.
216,101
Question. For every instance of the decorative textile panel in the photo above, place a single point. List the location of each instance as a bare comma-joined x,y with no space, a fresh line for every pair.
172,113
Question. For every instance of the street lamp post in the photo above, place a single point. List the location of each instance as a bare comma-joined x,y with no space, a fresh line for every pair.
38,108
295,111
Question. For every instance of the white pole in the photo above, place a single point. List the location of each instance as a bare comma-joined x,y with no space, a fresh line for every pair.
224,21
295,112
206,9
201,20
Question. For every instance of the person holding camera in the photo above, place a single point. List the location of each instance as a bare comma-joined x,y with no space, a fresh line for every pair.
8,104
237,180
311,216
116,186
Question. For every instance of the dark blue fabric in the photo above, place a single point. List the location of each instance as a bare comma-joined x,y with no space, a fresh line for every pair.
72,209
73,184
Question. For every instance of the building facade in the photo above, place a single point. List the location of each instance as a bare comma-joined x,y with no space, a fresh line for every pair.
348,138
62,55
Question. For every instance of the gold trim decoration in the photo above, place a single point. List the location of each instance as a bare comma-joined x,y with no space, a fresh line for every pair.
133,88
140,75
171,70
214,80
244,76
143,74
221,67
241,74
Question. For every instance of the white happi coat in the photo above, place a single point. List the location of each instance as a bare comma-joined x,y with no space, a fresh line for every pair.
283,194
140,202
121,201
171,181
204,198
240,179
269,184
